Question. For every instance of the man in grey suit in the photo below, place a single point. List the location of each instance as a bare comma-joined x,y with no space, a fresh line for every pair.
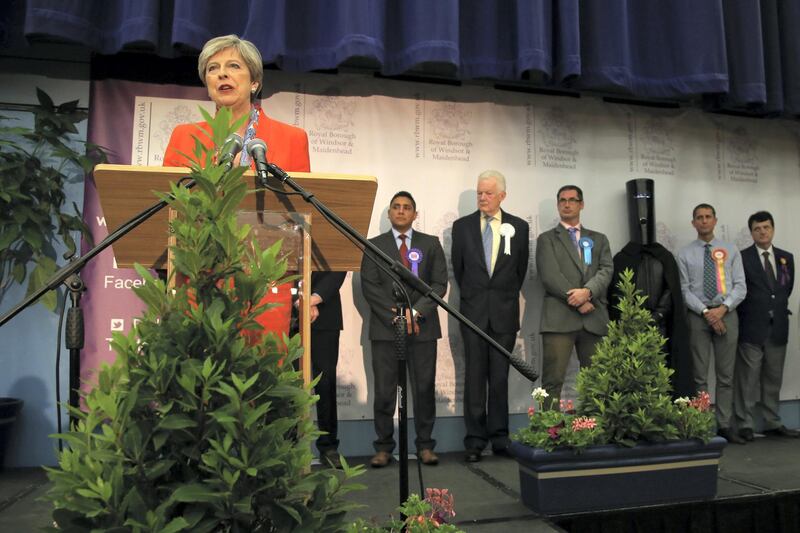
575,266
424,256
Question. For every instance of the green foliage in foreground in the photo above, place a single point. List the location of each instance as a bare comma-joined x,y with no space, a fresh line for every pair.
202,424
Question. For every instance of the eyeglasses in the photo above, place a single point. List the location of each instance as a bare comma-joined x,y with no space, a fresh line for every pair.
572,201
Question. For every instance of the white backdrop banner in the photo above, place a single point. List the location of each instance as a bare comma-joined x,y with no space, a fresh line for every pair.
434,140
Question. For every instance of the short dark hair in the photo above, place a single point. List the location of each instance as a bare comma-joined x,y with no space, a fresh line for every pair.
759,216
570,188
704,206
403,194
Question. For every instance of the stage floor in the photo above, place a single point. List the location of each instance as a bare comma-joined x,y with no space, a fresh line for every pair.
486,493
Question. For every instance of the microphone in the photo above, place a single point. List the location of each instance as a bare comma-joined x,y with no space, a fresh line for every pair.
232,146
257,149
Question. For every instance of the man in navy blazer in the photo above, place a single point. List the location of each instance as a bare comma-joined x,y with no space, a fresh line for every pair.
490,261
763,329
424,256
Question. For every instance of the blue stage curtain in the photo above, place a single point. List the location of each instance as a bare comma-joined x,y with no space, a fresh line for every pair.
789,55
104,26
653,49
741,54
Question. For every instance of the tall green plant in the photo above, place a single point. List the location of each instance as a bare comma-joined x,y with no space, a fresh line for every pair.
627,385
201,424
35,165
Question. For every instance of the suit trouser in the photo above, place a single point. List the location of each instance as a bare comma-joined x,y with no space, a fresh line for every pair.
703,342
324,358
486,366
421,359
556,352
759,368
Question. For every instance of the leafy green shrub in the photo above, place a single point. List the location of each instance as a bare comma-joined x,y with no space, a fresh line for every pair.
428,515
625,392
201,424
35,165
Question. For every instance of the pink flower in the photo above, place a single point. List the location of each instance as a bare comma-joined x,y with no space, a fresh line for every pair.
442,504
555,430
565,405
531,410
701,402
583,422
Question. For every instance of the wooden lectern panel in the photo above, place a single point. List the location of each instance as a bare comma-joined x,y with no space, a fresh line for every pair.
126,190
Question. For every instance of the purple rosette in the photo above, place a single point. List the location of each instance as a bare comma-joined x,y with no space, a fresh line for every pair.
414,257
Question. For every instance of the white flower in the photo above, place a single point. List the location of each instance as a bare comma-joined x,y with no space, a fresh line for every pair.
539,394
682,401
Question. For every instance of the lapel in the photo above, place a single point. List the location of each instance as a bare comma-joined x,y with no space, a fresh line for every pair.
388,244
780,255
562,235
501,255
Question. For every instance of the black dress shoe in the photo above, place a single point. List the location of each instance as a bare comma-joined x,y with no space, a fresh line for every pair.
746,434
472,456
730,436
782,431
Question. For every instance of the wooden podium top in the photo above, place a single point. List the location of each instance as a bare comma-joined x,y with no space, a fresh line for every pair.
126,190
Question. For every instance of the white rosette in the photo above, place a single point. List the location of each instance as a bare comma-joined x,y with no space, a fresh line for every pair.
507,231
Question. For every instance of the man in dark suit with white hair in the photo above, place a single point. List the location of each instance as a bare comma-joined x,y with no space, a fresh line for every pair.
490,261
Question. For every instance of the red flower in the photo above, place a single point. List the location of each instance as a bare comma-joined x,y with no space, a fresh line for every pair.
554,431
701,402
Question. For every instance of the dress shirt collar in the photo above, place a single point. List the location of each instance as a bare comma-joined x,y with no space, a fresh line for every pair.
715,243
771,251
407,234
497,216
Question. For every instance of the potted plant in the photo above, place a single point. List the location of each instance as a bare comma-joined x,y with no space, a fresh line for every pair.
35,165
202,423
626,442
423,515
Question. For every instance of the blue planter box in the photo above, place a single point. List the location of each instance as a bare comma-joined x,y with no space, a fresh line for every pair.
611,477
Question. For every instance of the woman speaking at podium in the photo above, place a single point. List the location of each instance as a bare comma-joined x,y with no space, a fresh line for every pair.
232,70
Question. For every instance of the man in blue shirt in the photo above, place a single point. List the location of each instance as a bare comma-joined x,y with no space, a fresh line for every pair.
713,285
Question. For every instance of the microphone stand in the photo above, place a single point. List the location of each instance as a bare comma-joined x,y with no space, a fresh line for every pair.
73,339
408,279
401,352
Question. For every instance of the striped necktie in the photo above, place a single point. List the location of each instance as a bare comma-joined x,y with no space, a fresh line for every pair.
404,251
